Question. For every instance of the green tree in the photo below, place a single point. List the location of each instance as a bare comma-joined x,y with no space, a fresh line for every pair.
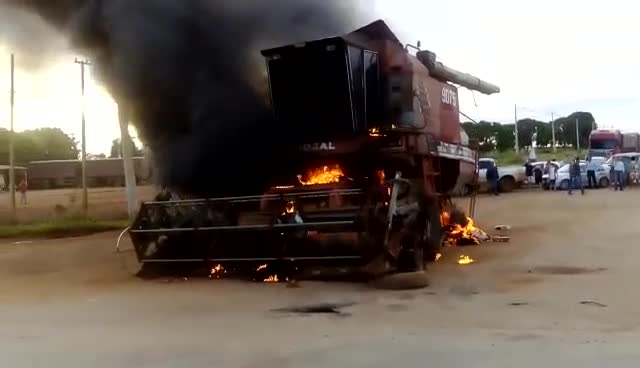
99,156
567,129
38,145
53,144
116,149
506,137
543,134
482,132
526,129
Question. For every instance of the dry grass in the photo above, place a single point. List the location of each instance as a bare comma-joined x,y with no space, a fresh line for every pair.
58,229
543,154
65,205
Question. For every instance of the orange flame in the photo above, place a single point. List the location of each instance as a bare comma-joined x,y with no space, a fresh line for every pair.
445,218
271,279
375,132
324,175
291,207
262,267
217,271
438,256
457,232
465,260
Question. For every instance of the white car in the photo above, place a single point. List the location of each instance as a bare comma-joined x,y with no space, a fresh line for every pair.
563,180
541,166
629,159
511,177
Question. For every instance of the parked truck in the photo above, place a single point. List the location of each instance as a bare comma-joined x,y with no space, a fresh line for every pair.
606,143
511,177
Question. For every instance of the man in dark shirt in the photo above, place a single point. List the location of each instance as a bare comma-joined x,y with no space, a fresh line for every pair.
528,168
575,177
492,178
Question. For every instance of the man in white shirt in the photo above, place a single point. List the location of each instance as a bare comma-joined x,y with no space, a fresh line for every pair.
634,173
592,167
551,170
618,167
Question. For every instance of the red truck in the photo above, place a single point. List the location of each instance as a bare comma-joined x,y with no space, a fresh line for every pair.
606,143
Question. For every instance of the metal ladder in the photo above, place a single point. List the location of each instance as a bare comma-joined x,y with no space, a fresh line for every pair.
432,168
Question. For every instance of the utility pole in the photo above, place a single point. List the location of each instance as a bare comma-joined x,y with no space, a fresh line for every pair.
85,195
12,163
553,133
515,114
126,144
578,134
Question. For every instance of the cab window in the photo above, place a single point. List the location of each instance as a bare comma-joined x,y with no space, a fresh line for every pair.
483,165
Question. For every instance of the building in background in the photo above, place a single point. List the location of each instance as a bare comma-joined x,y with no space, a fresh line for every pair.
21,172
100,173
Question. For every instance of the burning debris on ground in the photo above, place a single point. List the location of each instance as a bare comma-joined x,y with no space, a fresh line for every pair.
266,273
217,271
272,279
460,230
465,260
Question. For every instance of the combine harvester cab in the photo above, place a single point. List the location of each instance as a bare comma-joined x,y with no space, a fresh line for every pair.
376,145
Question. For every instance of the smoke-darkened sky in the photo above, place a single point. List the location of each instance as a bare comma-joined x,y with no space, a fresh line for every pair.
190,71
547,56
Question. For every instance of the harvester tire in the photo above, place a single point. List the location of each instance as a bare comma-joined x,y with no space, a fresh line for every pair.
402,281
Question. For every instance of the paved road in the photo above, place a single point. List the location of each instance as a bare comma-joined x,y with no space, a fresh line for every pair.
562,293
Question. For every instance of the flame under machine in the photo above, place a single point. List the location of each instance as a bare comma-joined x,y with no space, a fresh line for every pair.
370,191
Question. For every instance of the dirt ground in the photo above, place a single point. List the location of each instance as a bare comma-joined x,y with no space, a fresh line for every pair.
563,292
104,203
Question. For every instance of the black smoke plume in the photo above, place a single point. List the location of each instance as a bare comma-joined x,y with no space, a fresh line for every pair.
191,72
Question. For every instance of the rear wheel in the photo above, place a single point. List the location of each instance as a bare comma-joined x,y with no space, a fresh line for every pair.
603,183
564,185
507,184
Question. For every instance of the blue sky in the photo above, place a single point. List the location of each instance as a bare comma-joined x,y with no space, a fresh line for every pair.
547,56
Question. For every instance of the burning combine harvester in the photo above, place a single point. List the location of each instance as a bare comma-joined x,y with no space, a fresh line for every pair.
376,147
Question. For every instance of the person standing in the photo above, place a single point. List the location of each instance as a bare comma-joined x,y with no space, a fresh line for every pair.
634,172
618,166
537,173
528,168
492,178
612,174
22,188
592,167
575,178
551,170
